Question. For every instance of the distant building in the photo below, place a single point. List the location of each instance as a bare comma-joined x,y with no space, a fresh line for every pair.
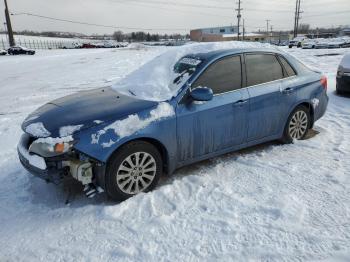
224,33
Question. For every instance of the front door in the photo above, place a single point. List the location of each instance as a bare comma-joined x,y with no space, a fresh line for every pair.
206,127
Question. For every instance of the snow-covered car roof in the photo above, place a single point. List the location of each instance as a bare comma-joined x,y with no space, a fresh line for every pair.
155,79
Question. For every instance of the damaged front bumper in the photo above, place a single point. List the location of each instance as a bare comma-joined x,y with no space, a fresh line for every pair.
51,170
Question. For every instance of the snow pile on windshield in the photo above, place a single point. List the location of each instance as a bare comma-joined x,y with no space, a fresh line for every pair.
134,123
37,130
154,80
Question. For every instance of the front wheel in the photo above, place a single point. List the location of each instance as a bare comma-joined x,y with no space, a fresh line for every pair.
134,168
297,125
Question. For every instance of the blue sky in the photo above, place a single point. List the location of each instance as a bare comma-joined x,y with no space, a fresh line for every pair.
173,15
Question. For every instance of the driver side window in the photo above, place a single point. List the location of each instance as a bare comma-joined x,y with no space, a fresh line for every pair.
224,75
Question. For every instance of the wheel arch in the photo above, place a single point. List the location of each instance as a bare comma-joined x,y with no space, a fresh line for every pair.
156,143
308,105
311,111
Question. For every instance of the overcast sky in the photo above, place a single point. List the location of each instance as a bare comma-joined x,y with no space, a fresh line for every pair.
172,15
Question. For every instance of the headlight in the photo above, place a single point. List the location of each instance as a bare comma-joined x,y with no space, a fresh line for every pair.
50,147
340,72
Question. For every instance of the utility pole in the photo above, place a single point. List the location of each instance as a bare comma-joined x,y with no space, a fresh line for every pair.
243,30
267,28
9,26
239,18
271,33
297,17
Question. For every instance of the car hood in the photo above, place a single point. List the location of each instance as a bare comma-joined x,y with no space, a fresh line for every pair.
64,116
345,63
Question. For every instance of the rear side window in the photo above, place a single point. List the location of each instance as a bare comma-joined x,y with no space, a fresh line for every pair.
262,68
223,76
289,69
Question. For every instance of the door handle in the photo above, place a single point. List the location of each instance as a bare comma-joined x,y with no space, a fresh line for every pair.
288,91
240,102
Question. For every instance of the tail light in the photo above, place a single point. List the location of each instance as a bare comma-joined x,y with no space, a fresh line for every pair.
324,82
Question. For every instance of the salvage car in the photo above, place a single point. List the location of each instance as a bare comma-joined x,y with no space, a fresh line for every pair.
343,75
3,52
19,50
297,41
173,111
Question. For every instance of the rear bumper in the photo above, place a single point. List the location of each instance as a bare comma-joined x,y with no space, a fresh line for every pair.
343,83
48,170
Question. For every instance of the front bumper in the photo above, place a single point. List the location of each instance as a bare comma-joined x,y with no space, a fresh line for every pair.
343,83
48,169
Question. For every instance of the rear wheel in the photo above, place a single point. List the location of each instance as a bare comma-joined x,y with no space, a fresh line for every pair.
297,125
134,168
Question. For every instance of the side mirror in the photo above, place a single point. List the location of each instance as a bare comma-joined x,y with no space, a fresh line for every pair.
202,94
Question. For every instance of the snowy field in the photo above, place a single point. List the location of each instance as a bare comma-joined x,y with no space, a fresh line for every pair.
268,203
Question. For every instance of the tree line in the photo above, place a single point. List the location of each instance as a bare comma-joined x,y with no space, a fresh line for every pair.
146,37
118,35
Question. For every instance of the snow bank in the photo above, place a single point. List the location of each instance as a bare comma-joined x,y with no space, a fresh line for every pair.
37,130
267,203
153,81
134,123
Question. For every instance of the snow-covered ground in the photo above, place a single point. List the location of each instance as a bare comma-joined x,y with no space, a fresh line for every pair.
268,203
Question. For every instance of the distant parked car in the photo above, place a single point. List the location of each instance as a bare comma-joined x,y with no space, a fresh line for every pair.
343,75
19,50
3,52
122,139
308,44
297,41
283,43
322,44
89,46
336,43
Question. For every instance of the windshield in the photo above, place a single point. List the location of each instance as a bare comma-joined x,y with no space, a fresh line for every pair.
159,79
162,78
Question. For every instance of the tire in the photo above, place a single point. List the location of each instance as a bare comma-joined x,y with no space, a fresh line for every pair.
126,178
290,46
298,124
337,91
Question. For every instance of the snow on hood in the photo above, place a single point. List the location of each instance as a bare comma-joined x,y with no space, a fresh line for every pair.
37,130
69,130
133,123
154,80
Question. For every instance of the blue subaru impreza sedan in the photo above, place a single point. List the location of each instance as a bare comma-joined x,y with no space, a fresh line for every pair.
122,139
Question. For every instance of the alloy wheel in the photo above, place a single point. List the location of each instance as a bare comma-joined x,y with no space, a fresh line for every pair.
136,173
298,125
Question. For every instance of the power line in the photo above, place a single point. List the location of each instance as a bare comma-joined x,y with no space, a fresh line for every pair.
174,10
100,25
179,4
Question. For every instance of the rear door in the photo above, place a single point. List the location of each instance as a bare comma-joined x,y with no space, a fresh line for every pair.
268,95
206,127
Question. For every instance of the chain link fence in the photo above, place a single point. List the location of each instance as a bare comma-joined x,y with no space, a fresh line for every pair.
36,43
